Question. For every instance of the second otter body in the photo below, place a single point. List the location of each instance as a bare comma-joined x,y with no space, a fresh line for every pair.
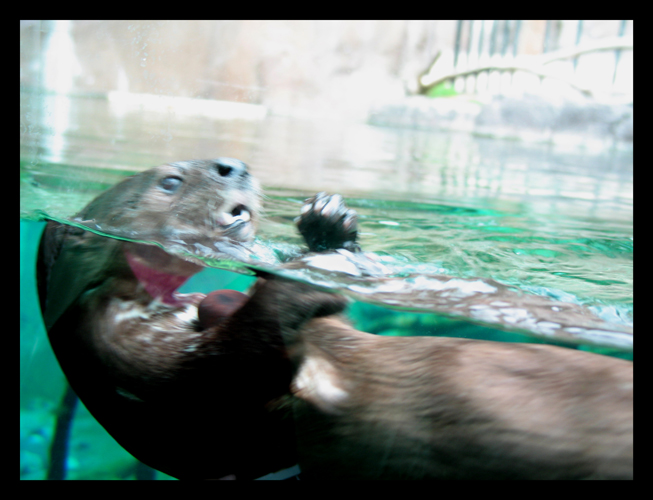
280,377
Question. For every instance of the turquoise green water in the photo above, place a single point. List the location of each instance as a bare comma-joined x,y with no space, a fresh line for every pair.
588,265
582,261
447,215
579,260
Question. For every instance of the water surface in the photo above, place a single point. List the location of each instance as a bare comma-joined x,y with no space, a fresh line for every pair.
489,237
543,221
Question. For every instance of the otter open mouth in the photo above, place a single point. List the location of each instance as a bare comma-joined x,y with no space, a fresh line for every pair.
159,284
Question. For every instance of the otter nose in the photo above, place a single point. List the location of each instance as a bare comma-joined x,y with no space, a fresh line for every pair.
230,167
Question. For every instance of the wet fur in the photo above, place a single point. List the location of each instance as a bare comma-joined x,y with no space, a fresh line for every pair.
374,407
286,379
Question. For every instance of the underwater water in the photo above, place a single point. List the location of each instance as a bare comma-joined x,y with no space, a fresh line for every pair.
475,237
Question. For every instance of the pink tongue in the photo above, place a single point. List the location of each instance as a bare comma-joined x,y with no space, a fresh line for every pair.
159,285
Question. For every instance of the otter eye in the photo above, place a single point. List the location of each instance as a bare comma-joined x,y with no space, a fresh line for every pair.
170,184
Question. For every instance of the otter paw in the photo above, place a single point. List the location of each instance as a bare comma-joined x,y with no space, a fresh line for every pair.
327,224
289,304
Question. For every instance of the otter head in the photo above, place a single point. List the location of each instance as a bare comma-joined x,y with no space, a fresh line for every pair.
194,202
211,206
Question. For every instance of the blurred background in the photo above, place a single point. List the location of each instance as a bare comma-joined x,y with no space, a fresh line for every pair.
489,149
123,94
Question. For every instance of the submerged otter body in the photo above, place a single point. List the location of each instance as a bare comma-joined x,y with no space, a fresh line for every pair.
257,383
132,348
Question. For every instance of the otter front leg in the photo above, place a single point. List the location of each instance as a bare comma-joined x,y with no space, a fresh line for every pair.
327,224
254,342
277,309
278,305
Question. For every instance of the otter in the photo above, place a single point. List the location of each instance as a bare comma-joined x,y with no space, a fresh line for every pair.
240,385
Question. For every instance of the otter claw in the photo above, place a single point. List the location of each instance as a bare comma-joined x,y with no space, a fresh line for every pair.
326,223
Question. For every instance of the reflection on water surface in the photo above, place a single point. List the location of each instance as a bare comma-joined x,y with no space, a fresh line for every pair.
544,222
484,232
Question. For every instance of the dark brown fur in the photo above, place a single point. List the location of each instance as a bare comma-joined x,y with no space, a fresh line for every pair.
286,379
187,401
424,407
